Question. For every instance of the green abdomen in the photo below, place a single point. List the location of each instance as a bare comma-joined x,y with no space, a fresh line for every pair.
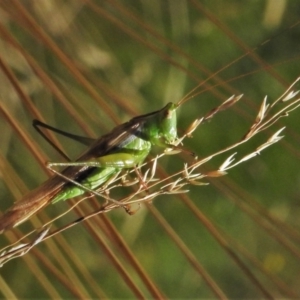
95,179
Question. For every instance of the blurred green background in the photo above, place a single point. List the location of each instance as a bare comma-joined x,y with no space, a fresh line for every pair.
85,66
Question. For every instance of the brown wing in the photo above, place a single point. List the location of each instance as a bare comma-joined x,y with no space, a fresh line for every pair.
30,203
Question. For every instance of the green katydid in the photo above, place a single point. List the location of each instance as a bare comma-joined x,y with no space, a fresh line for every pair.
126,146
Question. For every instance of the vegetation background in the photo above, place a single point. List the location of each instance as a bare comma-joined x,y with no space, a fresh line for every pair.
85,66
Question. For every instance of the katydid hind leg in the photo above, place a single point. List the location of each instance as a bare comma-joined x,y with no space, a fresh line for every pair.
80,188
81,139
87,141
36,124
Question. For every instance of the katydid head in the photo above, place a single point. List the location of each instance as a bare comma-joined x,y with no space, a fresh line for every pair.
162,129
